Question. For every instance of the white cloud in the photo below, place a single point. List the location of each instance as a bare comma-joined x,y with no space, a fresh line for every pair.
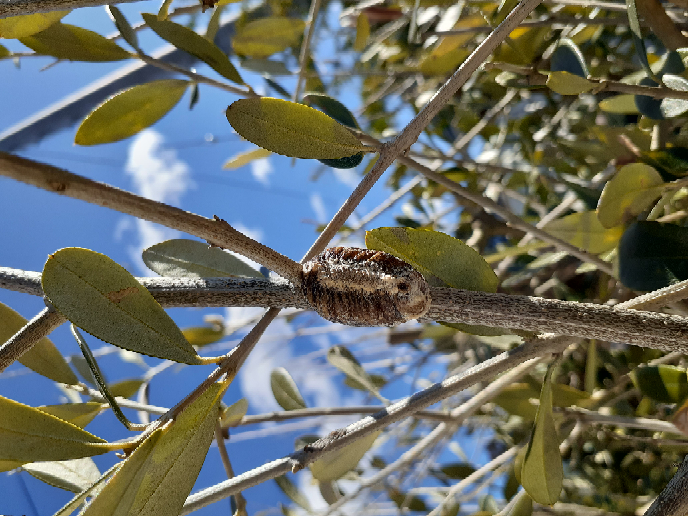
158,174
347,176
261,170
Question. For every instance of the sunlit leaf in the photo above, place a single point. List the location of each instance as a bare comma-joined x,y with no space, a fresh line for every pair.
195,44
436,254
362,32
345,361
620,104
193,259
662,383
264,37
203,335
74,43
72,475
130,111
584,230
653,255
28,435
542,473
101,297
244,158
28,24
566,83
79,414
156,479
631,191
43,357
285,390
234,413
336,464
291,129
126,388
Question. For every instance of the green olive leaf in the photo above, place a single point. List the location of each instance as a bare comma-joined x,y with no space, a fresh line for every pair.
124,27
292,129
79,414
346,362
195,44
130,111
29,24
234,413
264,37
73,475
158,476
244,158
584,230
193,259
336,464
567,83
285,390
74,43
632,190
28,434
43,357
542,472
101,297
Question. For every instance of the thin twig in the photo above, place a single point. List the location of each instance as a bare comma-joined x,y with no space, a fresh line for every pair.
216,232
34,330
305,47
395,412
222,449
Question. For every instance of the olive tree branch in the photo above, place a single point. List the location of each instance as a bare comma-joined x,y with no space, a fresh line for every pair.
305,47
216,232
587,320
34,330
19,7
395,412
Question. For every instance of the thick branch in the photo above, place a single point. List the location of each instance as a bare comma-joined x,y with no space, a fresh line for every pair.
614,324
215,232
19,7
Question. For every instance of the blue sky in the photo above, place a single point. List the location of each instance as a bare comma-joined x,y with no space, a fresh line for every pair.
179,161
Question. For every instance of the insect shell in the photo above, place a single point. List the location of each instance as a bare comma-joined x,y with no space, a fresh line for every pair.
363,287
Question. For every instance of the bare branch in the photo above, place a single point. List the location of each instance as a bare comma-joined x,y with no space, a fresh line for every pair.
32,332
215,232
674,498
19,7
395,412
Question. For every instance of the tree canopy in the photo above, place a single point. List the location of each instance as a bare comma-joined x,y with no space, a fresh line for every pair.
535,156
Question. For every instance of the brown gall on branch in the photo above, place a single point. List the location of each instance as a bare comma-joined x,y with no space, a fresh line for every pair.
364,287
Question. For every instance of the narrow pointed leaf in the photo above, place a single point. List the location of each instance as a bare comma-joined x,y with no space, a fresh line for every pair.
285,390
43,357
98,376
542,473
203,335
195,44
584,230
126,388
264,37
620,104
566,83
292,129
193,259
345,361
244,158
336,464
632,190
123,26
29,24
73,475
292,491
102,298
28,434
662,383
89,492
156,479
362,32
74,43
130,111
